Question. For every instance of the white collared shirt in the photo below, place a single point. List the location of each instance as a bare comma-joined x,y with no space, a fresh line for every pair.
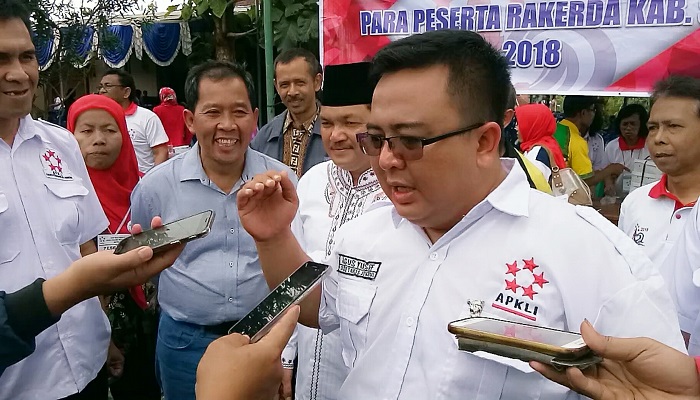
684,263
392,293
596,151
328,198
624,157
48,207
653,221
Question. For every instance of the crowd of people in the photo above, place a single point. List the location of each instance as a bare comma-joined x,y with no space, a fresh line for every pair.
400,175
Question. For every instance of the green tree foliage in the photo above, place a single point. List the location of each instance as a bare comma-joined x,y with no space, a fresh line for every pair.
295,24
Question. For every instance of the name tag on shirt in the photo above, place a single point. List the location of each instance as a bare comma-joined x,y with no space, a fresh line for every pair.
110,242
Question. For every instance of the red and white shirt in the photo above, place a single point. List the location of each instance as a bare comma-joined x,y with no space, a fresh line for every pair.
146,131
654,217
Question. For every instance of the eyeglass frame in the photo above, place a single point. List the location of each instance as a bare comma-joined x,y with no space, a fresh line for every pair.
108,86
423,141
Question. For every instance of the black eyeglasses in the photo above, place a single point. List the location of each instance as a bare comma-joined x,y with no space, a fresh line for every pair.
409,148
107,86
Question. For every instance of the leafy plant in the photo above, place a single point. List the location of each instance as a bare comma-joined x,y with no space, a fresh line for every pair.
295,24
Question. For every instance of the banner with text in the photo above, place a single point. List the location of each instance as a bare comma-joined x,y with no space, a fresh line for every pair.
554,47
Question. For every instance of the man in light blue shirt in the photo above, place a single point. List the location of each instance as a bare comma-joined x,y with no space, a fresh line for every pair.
217,279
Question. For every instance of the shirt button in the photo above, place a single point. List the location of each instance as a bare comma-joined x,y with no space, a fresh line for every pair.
232,230
230,264
230,299
433,256
678,216
409,321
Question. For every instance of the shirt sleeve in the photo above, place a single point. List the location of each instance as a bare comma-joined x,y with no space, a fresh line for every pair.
23,315
684,263
155,132
580,162
143,206
327,314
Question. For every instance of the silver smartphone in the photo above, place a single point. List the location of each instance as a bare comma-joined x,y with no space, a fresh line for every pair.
181,231
291,291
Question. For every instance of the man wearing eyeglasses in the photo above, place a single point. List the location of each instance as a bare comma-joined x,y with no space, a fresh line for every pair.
464,236
145,129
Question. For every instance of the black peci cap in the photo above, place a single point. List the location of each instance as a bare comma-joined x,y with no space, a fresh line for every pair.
347,85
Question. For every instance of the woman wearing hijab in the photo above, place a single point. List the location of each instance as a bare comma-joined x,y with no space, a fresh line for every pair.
171,114
99,125
536,125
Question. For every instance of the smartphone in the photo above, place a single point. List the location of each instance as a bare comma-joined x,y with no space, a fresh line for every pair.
291,291
181,231
553,342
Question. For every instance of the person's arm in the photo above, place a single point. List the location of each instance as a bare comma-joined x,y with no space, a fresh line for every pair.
160,153
636,368
267,205
88,248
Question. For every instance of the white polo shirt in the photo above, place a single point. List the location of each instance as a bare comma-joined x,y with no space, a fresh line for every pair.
654,218
684,262
625,157
48,207
392,293
146,131
328,198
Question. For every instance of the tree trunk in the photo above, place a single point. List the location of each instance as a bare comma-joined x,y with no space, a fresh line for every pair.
224,52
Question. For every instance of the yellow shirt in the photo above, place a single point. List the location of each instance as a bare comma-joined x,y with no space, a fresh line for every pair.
578,158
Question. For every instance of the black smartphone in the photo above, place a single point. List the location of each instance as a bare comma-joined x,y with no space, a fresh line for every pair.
181,231
290,292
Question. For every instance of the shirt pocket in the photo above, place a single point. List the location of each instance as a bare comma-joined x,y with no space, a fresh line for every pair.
8,251
353,305
63,199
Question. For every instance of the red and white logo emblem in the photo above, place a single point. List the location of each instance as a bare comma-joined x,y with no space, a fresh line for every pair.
54,166
523,283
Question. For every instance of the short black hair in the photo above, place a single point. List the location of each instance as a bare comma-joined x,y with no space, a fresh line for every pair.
630,110
678,86
575,104
217,71
14,9
290,55
512,99
479,76
125,79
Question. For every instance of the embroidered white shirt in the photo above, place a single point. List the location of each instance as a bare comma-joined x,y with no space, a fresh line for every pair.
328,198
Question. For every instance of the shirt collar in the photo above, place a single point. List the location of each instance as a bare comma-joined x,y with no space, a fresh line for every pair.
659,190
192,169
131,109
512,196
308,125
572,127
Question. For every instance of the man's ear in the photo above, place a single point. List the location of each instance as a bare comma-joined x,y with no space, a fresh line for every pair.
489,138
508,117
317,82
127,93
189,120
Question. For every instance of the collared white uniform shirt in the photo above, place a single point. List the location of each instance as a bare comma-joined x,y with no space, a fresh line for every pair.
48,207
684,262
653,220
392,293
624,157
328,198
596,151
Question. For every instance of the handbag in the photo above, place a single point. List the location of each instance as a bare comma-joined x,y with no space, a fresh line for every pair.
566,182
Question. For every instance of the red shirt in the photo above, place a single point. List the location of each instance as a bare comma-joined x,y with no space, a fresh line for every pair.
173,121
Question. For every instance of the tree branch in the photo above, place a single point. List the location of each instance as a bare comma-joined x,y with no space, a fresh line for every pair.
240,34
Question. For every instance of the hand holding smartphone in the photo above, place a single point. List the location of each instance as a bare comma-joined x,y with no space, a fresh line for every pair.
181,231
523,341
288,293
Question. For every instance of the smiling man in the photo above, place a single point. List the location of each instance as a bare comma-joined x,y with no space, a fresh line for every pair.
217,279
49,214
294,137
